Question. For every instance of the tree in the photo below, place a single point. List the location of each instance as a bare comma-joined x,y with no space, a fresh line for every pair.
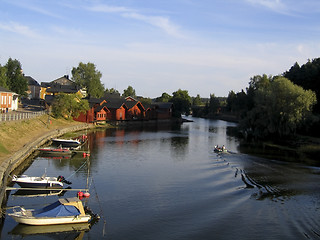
145,101
197,101
86,76
129,92
15,80
165,97
213,104
181,102
69,105
308,77
3,77
111,90
279,108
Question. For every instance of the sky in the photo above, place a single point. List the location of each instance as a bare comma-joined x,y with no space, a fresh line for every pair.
160,46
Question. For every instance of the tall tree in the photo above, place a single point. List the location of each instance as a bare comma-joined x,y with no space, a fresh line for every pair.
129,92
279,108
69,105
86,76
181,102
213,105
197,101
308,77
3,76
165,97
15,80
111,90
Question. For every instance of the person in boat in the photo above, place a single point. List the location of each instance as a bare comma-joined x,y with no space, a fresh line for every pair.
223,148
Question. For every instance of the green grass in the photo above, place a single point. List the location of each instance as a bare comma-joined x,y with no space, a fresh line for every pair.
3,149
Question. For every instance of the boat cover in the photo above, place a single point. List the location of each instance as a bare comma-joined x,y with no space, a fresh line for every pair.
56,209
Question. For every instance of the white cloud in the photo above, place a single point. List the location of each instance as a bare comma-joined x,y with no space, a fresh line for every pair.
29,6
160,22
274,5
108,9
18,28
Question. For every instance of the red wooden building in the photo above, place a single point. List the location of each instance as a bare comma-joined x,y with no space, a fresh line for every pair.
135,111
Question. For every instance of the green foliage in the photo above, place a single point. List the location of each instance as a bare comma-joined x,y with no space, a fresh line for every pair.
308,77
3,77
69,105
129,92
86,76
181,102
145,101
213,104
15,80
165,97
196,101
279,107
111,90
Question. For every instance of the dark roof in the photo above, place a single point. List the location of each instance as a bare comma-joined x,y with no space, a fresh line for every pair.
112,95
31,81
164,105
45,84
115,103
57,88
2,89
131,104
64,81
100,107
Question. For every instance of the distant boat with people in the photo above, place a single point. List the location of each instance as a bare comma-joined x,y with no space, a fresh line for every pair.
220,149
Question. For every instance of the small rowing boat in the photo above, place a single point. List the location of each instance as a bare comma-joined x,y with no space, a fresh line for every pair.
55,151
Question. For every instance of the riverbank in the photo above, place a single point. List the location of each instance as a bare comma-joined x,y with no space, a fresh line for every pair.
19,139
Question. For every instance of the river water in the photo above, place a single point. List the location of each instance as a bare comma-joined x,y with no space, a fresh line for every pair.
166,182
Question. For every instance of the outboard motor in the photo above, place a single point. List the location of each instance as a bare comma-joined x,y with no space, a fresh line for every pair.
62,179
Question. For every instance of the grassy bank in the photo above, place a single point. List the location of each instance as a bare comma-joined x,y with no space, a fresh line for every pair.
14,135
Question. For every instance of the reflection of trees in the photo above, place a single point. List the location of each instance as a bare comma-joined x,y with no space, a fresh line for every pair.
179,146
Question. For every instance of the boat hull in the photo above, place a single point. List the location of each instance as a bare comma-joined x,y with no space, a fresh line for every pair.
38,221
39,185
37,182
49,151
65,142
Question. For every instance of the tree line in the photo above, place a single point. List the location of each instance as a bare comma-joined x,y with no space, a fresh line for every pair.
280,106
271,106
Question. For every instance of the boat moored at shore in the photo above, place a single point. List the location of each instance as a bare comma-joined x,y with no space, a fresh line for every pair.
63,211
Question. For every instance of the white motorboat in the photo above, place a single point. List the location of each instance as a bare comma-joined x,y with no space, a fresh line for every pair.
25,181
66,142
63,211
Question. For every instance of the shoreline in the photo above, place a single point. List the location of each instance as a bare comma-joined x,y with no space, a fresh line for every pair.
37,136
13,160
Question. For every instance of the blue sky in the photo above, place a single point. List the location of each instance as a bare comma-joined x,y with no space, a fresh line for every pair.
155,46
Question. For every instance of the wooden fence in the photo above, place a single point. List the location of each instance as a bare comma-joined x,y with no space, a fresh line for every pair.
14,116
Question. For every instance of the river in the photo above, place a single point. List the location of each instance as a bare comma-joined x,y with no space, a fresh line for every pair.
166,182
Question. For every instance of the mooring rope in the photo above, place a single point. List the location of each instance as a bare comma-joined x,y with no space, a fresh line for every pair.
77,170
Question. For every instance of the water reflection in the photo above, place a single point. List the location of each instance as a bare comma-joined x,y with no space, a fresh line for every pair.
66,231
167,183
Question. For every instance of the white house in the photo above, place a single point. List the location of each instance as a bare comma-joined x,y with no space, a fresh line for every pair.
8,100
